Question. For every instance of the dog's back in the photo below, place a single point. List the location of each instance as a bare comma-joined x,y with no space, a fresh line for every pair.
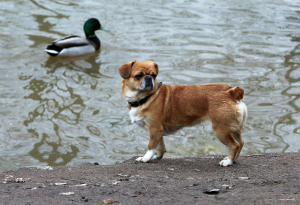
186,104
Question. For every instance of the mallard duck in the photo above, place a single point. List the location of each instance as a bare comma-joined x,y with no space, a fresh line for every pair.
75,45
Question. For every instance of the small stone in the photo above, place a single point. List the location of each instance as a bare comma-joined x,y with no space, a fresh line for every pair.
96,163
66,193
27,187
115,183
124,175
225,186
81,184
244,178
45,167
19,180
107,201
60,183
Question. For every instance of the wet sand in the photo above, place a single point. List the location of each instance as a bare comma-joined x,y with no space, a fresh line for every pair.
255,179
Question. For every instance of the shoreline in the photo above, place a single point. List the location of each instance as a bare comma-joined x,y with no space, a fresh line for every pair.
254,179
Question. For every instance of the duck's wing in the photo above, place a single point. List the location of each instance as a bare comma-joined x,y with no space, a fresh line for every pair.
71,41
70,46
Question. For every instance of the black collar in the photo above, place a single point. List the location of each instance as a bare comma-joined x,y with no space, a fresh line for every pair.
143,100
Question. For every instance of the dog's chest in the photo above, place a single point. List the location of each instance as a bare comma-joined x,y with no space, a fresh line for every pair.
135,119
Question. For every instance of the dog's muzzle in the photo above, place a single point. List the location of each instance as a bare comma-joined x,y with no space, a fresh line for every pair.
147,83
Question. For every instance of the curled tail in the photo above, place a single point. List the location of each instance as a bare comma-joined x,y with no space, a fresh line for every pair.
237,93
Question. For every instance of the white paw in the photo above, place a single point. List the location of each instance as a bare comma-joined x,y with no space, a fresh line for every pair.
139,159
149,155
154,157
226,162
142,159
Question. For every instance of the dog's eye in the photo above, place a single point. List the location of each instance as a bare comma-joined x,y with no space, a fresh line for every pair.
153,75
139,76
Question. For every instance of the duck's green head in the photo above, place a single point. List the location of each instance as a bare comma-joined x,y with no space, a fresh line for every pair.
91,25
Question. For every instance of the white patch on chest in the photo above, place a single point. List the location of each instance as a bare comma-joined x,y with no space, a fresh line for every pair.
135,119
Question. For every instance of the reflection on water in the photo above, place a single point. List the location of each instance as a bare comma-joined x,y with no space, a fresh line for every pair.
86,63
66,111
288,124
51,152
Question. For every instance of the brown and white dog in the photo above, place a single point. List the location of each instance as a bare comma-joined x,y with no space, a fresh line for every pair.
164,108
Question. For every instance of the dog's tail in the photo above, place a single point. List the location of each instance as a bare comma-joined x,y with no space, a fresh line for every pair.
236,93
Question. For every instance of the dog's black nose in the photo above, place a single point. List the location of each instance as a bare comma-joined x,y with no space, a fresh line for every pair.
148,82
148,79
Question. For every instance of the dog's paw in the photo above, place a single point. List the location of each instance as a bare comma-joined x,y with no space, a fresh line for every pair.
226,162
148,156
142,159
155,157
139,159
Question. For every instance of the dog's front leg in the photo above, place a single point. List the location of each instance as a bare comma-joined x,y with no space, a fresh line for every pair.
155,135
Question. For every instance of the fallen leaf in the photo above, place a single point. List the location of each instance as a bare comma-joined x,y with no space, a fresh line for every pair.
212,192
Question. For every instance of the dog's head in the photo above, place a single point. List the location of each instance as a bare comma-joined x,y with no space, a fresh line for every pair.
139,79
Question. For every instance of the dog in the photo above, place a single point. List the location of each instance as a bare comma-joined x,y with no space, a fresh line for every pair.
164,108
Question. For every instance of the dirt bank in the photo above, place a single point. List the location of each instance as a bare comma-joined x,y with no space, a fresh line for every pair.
255,179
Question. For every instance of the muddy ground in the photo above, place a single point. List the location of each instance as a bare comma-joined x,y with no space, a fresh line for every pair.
256,179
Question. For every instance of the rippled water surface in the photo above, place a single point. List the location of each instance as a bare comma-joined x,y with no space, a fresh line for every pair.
57,111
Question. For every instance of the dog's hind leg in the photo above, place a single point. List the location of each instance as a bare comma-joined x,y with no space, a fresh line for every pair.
161,149
228,139
239,139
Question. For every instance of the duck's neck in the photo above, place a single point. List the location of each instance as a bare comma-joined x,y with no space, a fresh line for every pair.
94,40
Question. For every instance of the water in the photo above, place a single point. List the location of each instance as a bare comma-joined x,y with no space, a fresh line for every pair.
61,112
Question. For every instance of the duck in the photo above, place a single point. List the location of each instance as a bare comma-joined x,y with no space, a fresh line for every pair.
73,45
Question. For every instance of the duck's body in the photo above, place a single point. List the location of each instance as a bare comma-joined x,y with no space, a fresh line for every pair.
76,45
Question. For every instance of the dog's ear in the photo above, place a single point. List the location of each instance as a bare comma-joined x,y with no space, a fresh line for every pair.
156,68
125,70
